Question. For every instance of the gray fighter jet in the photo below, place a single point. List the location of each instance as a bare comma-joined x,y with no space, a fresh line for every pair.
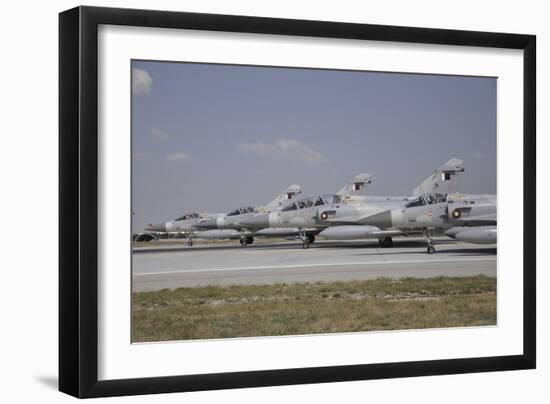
187,224
236,222
384,220
213,226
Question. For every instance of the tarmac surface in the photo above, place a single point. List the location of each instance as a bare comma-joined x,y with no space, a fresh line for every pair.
158,267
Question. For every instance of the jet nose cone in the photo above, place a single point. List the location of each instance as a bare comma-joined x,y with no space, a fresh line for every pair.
156,227
208,223
258,221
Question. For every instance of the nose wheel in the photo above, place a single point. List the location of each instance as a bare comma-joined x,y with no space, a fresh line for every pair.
430,249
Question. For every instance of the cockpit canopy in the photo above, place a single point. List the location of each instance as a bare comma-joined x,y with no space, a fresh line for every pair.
427,199
240,211
188,216
308,202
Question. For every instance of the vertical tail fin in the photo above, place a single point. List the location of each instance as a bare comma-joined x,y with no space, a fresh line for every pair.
285,196
444,180
356,187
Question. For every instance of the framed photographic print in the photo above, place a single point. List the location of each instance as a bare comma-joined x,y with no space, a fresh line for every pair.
250,201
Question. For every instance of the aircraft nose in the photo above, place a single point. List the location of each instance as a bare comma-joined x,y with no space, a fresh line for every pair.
208,223
259,220
157,227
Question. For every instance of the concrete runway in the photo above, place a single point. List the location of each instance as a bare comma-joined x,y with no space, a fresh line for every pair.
172,267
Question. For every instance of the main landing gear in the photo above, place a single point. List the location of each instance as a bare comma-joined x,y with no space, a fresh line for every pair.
307,239
385,242
431,246
245,240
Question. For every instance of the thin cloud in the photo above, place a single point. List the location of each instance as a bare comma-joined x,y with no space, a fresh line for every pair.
140,156
159,134
283,149
178,157
478,155
142,82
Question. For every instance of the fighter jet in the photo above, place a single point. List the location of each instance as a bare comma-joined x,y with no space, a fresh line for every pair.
237,221
194,225
187,224
344,217
384,220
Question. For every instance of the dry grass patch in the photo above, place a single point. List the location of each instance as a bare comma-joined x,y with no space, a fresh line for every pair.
311,308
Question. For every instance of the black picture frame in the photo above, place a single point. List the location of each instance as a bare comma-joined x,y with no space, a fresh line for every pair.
78,201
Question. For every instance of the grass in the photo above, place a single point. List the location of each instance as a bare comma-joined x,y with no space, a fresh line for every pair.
312,308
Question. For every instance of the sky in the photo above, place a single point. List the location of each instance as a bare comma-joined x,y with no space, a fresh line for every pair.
211,138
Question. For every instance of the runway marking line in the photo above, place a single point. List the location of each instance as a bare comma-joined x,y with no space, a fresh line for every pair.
304,266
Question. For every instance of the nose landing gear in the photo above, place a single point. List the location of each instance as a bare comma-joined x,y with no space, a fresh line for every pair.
305,239
431,245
